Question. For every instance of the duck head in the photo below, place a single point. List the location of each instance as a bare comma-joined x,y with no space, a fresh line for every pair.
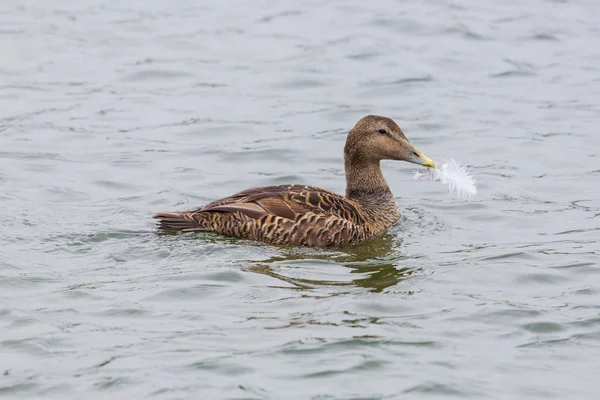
376,138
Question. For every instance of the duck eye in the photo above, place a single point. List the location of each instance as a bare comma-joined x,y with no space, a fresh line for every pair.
383,131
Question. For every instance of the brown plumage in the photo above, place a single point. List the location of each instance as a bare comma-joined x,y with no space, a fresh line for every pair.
308,215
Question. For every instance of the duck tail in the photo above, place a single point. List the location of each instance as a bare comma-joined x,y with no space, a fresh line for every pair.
179,221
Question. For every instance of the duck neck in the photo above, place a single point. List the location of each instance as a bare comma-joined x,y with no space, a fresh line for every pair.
366,185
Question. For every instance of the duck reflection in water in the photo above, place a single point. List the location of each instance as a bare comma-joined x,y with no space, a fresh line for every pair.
378,264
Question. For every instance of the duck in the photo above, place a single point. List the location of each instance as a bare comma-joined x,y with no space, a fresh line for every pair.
301,215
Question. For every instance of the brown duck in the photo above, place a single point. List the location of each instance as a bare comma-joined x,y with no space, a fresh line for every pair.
308,215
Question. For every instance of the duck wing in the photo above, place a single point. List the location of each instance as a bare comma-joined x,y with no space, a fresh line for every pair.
287,201
285,214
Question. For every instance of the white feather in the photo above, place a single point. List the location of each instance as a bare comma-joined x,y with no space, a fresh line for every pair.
458,178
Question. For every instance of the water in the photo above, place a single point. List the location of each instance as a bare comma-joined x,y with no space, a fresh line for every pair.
111,111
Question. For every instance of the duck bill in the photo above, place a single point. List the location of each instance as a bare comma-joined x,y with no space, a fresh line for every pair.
421,159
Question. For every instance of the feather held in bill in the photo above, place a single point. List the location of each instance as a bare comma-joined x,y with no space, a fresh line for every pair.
459,179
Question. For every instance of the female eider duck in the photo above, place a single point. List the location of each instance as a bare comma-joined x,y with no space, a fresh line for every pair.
308,215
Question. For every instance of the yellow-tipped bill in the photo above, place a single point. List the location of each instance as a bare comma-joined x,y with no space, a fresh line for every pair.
421,158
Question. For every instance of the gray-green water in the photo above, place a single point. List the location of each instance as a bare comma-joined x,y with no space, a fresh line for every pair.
110,111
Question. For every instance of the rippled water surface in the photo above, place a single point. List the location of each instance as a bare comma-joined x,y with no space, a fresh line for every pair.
112,110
